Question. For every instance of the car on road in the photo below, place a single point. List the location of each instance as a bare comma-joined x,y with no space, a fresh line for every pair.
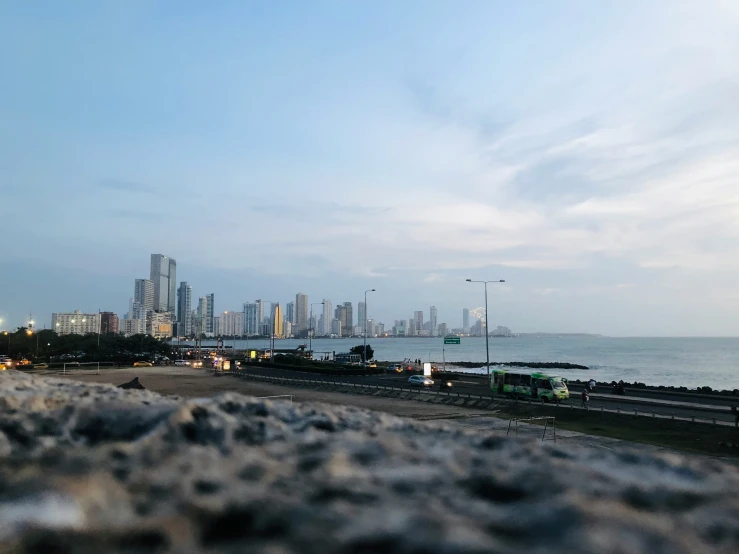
197,364
395,368
420,381
142,364
41,366
181,362
5,362
444,382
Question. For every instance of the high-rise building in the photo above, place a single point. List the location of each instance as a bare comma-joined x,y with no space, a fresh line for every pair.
287,328
361,315
229,324
466,321
143,293
251,322
443,330
432,320
210,313
184,308
328,315
108,323
75,323
290,312
417,321
347,325
160,325
301,312
203,315
163,273
340,314
277,329
336,327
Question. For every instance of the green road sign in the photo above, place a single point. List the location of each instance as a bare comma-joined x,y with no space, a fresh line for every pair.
451,340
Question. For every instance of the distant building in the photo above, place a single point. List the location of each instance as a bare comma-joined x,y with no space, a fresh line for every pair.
301,312
432,321
443,331
75,323
477,329
130,327
163,273
417,323
336,327
501,331
278,329
184,309
287,328
347,324
108,323
400,329
328,315
361,316
160,325
251,323
229,324
371,328
466,321
143,293
379,329
290,312
210,312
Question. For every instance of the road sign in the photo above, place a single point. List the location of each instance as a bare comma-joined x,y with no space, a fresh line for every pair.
451,340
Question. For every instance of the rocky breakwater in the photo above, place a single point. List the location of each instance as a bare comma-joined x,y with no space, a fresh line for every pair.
98,469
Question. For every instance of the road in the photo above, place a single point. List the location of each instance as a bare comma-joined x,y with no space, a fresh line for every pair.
645,402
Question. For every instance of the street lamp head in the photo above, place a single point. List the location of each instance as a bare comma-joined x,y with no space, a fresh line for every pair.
468,280
373,290
502,281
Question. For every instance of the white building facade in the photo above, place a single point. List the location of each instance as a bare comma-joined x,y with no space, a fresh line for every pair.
75,323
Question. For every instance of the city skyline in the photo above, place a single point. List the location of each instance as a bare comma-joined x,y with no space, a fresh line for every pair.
586,152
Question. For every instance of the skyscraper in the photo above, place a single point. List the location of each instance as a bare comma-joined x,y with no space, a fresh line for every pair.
108,323
163,274
209,323
251,323
202,314
301,312
347,326
340,315
417,321
277,328
432,320
328,315
466,321
290,312
143,293
184,307
361,315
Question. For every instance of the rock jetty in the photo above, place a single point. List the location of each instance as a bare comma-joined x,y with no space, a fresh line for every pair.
96,468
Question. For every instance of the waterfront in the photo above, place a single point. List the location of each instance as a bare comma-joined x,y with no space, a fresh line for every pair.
688,362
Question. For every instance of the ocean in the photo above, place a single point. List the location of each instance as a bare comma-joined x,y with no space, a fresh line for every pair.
688,362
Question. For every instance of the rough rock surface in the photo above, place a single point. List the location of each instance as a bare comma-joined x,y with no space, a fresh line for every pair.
95,468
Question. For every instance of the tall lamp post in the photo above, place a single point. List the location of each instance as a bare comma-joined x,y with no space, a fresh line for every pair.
487,338
365,326
310,331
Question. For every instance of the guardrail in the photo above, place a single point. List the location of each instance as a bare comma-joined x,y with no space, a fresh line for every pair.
409,390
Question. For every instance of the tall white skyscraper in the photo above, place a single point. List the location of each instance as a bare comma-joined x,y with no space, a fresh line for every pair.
301,312
432,321
290,312
163,274
466,321
328,316
143,293
184,307
361,315
209,315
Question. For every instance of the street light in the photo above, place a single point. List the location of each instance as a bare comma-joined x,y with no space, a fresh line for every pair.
310,331
487,338
365,326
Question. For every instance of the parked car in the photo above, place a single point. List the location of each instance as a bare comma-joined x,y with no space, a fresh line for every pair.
420,381
142,364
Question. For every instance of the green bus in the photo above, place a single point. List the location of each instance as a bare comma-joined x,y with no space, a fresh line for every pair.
550,388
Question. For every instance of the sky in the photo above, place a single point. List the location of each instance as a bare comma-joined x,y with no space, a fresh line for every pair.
585,152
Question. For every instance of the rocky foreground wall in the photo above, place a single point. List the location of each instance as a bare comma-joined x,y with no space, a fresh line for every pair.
99,469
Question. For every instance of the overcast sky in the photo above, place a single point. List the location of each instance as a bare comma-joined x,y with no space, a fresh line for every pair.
586,152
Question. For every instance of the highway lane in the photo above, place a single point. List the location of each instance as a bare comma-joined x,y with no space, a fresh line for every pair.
700,408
